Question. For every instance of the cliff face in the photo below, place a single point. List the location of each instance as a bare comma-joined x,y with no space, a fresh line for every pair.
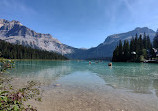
15,32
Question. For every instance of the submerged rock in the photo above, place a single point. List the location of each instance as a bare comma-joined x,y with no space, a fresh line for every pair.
56,85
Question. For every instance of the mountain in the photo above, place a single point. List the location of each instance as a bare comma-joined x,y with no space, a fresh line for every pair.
106,48
16,33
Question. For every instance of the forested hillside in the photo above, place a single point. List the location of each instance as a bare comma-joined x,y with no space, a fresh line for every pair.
14,51
138,49
105,49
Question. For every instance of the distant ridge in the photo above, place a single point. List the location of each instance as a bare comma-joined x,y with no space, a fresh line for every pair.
105,49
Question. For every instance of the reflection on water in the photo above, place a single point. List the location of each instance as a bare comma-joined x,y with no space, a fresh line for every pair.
40,69
135,77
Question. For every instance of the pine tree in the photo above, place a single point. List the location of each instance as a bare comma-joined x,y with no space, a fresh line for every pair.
126,51
132,45
136,43
149,45
136,51
140,45
145,41
120,51
14,51
155,41
115,55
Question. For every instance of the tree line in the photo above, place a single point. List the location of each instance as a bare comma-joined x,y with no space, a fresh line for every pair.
15,51
139,48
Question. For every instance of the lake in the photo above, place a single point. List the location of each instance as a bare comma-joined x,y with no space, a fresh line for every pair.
80,86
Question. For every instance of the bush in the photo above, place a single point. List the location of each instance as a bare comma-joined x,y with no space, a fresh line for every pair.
11,99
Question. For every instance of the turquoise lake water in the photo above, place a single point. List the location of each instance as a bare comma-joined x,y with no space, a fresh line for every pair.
133,82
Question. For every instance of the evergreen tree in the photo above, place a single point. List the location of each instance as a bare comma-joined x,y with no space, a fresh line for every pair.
120,49
136,43
115,54
126,51
145,41
132,45
135,51
14,51
149,45
155,41
140,46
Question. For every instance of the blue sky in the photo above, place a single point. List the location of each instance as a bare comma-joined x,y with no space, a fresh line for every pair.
81,23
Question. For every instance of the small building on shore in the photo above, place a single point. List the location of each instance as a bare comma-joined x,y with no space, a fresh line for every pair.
156,52
152,53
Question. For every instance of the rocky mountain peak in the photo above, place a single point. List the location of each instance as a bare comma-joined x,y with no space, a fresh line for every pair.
15,22
16,33
10,23
3,21
143,29
128,35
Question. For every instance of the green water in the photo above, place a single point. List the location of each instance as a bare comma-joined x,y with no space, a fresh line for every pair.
91,87
134,77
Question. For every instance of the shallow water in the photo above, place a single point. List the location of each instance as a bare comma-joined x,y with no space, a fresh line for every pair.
95,87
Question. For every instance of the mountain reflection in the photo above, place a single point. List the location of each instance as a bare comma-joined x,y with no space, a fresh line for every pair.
41,69
135,77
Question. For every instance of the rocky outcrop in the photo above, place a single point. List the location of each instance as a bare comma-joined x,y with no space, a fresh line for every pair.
15,32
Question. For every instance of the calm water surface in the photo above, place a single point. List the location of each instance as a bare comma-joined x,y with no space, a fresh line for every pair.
95,87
